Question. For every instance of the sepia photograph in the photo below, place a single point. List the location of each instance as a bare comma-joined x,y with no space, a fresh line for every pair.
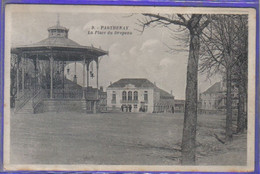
102,88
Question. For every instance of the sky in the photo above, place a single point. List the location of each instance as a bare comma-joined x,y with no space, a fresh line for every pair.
139,55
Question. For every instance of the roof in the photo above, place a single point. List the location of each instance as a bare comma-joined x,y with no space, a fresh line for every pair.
216,88
137,82
68,84
140,83
58,27
57,41
178,101
59,44
164,94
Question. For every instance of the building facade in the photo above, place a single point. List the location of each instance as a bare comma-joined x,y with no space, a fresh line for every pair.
179,106
138,95
213,100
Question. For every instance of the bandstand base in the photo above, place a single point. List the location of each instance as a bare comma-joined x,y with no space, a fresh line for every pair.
66,105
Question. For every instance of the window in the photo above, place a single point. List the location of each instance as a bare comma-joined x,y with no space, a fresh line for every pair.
114,97
124,95
145,96
135,95
129,95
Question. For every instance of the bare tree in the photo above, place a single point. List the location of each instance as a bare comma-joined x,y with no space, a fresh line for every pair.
225,48
240,81
240,72
195,24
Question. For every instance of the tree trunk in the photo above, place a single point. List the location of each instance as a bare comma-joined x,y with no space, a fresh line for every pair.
190,114
240,115
228,106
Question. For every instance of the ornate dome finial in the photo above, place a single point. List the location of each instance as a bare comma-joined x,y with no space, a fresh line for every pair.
58,30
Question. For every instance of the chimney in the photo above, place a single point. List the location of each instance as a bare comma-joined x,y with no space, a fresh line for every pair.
101,88
110,83
171,92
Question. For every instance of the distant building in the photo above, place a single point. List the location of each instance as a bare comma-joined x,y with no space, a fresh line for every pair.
213,100
138,95
179,105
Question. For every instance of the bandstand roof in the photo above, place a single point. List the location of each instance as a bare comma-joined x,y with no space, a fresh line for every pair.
58,27
60,46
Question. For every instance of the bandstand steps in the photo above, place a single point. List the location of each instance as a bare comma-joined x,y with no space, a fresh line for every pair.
58,105
26,109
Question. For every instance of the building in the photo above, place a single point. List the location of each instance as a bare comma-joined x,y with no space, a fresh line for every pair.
138,95
213,100
179,106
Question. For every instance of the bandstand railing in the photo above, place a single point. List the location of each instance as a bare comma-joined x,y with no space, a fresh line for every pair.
29,95
39,96
66,93
23,99
72,94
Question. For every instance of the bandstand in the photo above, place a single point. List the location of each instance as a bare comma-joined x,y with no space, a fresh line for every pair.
49,89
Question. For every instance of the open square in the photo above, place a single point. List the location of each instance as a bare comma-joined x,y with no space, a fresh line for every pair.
117,139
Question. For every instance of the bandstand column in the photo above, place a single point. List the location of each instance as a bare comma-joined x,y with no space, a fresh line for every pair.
38,73
88,74
51,74
97,71
84,76
75,75
17,77
95,107
63,79
35,73
97,77
23,69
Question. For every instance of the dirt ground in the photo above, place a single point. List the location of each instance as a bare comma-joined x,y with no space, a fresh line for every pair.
120,138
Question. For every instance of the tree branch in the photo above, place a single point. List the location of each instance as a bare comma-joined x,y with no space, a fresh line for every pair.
182,18
204,25
159,17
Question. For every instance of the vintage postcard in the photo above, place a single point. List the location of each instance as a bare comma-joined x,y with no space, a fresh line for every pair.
114,88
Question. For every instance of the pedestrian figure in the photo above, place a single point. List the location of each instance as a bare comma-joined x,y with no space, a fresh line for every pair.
130,108
172,109
122,108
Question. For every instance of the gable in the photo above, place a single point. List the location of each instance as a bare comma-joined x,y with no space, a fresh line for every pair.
129,86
